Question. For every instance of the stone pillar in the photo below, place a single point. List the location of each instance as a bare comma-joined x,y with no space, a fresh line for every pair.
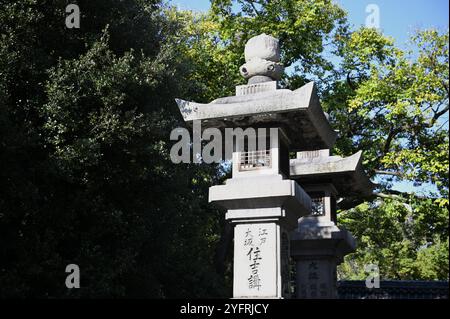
316,278
261,234
316,260
261,265
318,246
264,207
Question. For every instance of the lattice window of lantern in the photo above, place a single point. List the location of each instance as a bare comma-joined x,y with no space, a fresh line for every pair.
254,160
318,206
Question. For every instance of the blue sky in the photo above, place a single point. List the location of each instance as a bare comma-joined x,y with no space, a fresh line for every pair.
398,19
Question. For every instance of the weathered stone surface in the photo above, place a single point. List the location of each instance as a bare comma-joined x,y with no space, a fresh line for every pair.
256,88
262,46
257,247
262,192
258,66
264,209
262,57
297,112
316,278
317,250
260,79
313,233
346,174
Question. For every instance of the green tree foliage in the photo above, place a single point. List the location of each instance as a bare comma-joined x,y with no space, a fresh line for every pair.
394,110
406,240
397,112
86,176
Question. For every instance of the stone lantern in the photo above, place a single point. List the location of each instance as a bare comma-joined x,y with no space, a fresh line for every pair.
263,199
319,245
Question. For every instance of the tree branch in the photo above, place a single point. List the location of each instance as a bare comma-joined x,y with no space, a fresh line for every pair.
351,202
387,143
252,3
437,115
390,196
349,81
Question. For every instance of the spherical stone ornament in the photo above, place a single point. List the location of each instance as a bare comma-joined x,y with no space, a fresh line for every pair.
264,47
262,56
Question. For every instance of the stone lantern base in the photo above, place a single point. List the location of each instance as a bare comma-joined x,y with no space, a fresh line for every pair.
317,250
